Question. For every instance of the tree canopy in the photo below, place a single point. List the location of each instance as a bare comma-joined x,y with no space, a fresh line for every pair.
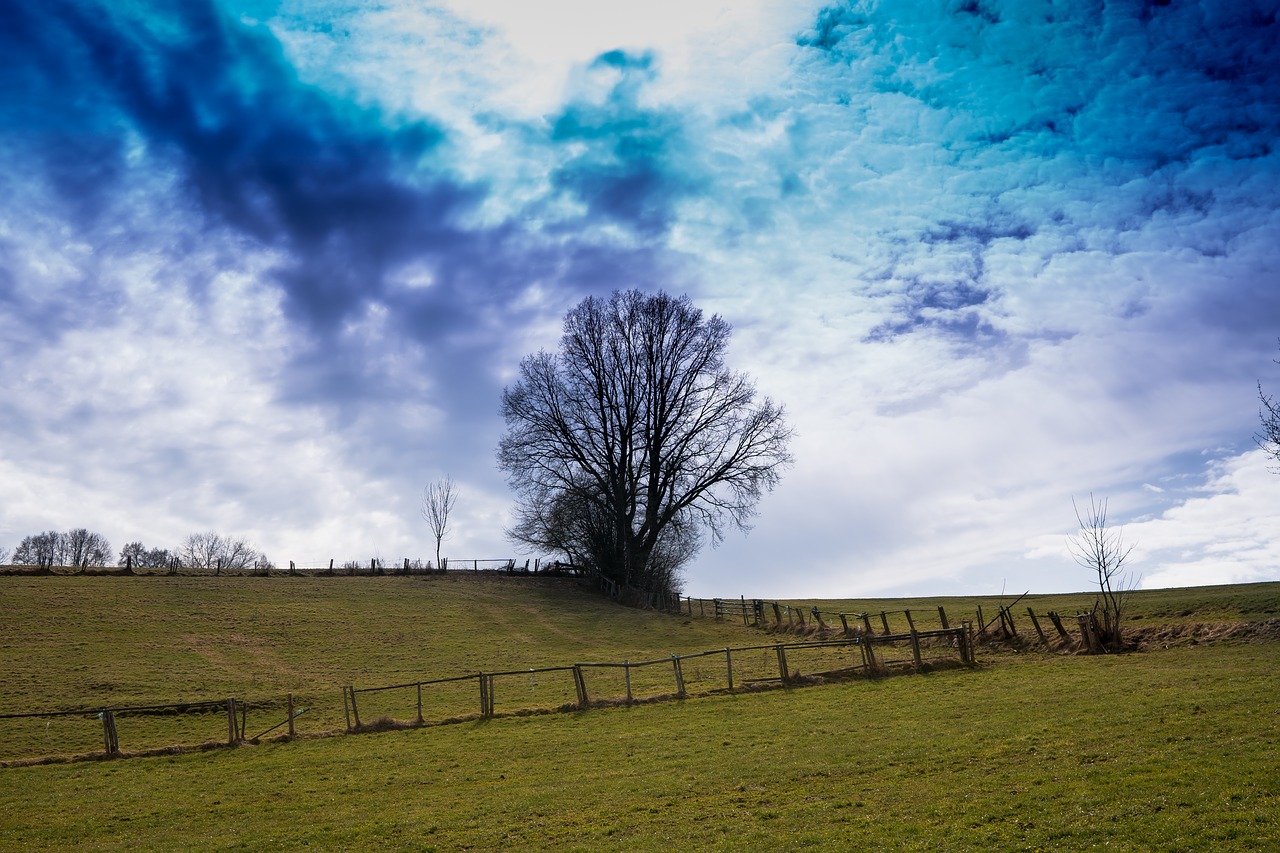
635,439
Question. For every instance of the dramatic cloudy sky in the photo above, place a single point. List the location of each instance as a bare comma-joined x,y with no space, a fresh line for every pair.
265,267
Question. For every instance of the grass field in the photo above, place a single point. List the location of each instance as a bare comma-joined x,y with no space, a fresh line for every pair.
1162,750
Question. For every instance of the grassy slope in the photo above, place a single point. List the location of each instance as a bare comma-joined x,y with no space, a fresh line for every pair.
1163,750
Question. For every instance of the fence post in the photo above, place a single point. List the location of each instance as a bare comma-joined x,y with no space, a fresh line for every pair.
1036,623
355,711
110,741
626,669
419,703
346,708
866,623
873,665
783,673
884,619
675,665
580,684
817,614
777,612
231,722
942,615
915,648
744,611
966,650
728,665
291,731
844,624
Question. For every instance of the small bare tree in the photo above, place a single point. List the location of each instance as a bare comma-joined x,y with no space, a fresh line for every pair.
438,499
1269,413
1102,550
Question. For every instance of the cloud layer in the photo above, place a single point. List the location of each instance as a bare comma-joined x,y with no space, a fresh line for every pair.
267,269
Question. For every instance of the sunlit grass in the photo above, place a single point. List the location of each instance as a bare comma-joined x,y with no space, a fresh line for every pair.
1169,750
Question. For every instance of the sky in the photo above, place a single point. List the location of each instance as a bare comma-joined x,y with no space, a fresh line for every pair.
266,267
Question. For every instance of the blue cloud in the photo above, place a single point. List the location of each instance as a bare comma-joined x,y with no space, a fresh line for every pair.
634,168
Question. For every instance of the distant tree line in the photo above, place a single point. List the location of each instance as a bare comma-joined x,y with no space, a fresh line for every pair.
86,549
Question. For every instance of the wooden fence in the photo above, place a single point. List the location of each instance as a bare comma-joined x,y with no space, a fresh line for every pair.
149,727
1000,627
370,567
481,695
583,685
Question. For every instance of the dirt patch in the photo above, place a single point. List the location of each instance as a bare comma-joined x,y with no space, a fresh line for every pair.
1192,633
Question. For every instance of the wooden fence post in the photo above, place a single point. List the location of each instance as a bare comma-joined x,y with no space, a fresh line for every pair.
580,684
982,625
1036,623
866,623
743,600
844,625
110,740
626,669
679,673
231,722
873,665
915,648
346,708
966,653
293,733
777,612
783,673
817,614
420,721
911,624
728,666
1057,624
355,711
942,615
884,620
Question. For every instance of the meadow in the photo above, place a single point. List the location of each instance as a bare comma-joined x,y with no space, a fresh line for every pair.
1165,749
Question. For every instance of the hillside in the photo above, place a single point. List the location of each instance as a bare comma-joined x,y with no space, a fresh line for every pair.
1166,749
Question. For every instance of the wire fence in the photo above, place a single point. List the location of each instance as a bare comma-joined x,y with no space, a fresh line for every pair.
137,730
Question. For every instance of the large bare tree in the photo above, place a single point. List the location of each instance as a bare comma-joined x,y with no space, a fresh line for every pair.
438,499
635,437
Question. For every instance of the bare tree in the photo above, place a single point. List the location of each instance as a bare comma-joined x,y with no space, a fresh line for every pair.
1269,413
4,556
211,550
41,549
438,499
85,548
1102,550
79,547
634,438
141,557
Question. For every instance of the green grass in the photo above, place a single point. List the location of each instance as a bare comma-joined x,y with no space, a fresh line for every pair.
1171,750
1163,750
81,642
